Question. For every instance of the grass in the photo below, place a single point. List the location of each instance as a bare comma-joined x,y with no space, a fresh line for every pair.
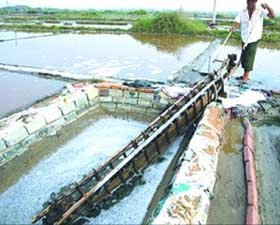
55,29
169,23
43,14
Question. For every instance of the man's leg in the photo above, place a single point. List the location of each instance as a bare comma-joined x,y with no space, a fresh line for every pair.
245,76
248,59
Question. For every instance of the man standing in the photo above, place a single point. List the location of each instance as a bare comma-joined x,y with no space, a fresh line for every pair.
250,22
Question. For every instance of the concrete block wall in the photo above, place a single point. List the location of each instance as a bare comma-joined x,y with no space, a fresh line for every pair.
50,115
189,198
124,99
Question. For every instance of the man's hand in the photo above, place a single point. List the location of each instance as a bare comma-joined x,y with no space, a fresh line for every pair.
235,26
232,29
265,5
271,13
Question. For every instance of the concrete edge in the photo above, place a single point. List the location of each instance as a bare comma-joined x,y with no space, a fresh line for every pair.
188,200
55,112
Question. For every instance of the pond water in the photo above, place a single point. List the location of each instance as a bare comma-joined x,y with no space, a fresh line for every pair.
6,35
266,73
106,55
85,151
153,57
20,90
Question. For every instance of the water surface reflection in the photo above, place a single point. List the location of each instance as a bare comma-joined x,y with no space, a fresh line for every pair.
20,90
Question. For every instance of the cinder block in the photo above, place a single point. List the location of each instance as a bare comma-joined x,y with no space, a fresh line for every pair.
144,102
147,96
140,110
94,102
2,159
115,93
118,99
57,124
80,100
159,106
92,93
111,107
132,101
30,139
153,111
14,135
11,153
124,107
51,113
2,145
66,105
103,92
70,117
131,94
35,124
106,99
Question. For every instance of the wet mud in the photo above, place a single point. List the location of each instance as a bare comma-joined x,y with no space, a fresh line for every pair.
228,205
267,143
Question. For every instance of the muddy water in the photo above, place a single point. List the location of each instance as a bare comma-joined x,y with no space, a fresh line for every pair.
267,138
228,205
18,90
68,162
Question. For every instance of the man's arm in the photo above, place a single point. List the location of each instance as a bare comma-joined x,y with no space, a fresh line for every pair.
271,13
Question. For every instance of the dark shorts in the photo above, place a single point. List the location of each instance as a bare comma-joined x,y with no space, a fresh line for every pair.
248,56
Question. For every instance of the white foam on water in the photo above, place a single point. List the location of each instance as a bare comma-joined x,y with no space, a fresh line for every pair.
132,209
68,164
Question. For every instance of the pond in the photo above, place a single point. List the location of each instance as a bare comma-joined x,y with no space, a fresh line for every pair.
7,35
18,91
133,56
86,150
106,55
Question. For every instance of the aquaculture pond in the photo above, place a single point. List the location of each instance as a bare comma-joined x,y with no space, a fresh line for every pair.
18,91
105,55
125,56
65,160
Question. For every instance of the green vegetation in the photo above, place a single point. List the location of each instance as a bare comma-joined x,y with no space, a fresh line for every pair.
24,13
55,29
23,18
167,23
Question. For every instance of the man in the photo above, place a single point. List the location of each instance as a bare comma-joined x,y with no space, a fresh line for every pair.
250,22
